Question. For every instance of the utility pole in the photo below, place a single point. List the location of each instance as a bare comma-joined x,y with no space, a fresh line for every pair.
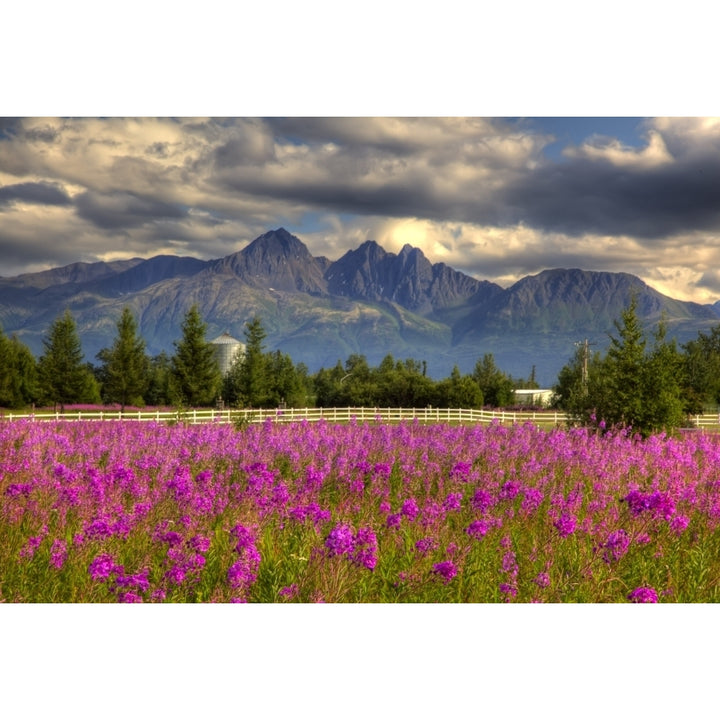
585,355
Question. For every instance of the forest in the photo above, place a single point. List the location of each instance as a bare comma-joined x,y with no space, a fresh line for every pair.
643,381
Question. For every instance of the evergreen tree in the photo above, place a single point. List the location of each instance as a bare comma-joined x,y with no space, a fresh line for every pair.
701,371
18,376
194,370
159,390
624,370
663,406
26,378
248,383
63,376
496,387
630,387
125,366
285,383
8,393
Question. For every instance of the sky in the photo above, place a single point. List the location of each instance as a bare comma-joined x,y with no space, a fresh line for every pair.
498,198
520,141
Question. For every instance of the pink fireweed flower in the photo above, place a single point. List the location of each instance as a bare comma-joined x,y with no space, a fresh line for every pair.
242,574
199,543
16,489
565,525
477,529
481,501
31,547
243,536
58,553
426,545
176,575
340,540
679,523
364,550
643,595
453,501
139,581
531,500
129,597
661,504
290,592
103,566
509,490
410,509
509,590
542,580
615,546
461,471
447,570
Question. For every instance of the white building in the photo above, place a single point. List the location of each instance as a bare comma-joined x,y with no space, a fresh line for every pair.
534,396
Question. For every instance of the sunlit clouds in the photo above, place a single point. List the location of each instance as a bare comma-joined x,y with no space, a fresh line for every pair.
483,195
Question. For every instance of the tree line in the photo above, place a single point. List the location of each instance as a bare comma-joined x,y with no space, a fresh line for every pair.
126,375
644,381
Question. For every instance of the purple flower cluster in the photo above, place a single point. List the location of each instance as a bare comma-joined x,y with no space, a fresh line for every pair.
660,503
360,548
103,566
446,570
616,546
477,529
565,524
643,595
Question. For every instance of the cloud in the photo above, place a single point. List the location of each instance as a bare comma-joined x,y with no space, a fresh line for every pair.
117,210
477,193
42,193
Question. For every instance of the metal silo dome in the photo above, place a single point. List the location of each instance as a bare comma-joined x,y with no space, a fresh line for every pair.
226,350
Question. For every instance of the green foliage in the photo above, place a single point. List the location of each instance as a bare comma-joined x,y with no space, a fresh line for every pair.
459,391
194,372
701,371
631,386
63,377
159,386
18,373
495,385
125,367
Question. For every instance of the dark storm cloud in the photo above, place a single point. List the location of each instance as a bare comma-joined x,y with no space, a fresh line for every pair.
120,210
18,254
389,199
582,196
42,193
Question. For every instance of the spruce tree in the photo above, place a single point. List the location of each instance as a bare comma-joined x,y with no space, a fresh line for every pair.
64,378
194,368
125,366
248,381
624,369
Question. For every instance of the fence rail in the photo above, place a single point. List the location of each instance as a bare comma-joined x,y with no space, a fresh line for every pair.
344,414
341,415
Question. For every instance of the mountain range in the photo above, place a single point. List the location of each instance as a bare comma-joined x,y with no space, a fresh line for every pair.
369,301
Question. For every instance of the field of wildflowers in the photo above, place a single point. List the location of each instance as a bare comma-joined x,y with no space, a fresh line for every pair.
363,513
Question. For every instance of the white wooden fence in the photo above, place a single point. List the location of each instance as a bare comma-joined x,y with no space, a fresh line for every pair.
346,414
341,415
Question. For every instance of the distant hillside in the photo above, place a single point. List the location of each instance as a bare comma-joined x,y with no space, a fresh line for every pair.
369,301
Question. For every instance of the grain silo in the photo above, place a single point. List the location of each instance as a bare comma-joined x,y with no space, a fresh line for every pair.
226,349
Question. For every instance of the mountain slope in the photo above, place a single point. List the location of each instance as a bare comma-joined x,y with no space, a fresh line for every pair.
369,301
